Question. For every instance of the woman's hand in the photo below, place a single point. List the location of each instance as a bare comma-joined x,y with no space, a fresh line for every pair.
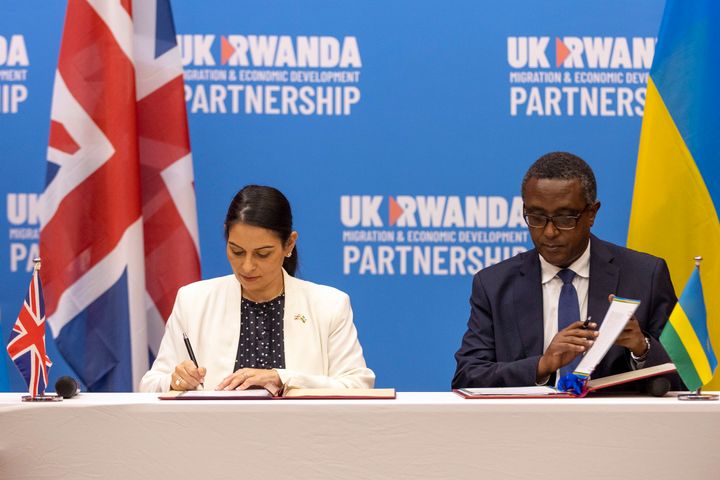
187,376
245,378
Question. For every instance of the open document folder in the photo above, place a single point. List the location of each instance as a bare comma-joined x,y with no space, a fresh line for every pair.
550,392
617,316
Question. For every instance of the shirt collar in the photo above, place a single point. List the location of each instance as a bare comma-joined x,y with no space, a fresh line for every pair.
581,266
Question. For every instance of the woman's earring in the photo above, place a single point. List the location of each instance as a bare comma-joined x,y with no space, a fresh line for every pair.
288,255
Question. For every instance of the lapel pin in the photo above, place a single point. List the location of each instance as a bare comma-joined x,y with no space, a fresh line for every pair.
300,317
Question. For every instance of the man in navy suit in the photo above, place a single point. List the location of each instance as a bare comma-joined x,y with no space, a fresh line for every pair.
513,337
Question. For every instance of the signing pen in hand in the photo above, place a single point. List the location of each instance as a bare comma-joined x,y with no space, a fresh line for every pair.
190,352
584,326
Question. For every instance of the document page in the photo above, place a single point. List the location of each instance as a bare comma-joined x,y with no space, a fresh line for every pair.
510,391
253,394
617,316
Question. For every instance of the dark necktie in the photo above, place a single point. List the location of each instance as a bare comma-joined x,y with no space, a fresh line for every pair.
568,311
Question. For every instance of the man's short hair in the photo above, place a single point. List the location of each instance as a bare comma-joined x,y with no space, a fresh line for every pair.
563,166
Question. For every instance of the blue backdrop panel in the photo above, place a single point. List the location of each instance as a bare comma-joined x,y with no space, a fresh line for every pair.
400,133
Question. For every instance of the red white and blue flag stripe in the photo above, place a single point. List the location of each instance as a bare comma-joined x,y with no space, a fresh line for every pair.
119,225
26,345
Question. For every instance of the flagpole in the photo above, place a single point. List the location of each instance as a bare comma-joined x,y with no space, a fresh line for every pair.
697,394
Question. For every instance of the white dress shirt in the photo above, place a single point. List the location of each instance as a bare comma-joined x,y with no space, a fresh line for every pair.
551,286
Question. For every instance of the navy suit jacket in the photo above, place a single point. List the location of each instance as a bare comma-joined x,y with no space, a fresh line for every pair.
504,340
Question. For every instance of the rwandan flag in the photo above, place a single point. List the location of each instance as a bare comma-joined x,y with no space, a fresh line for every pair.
686,339
677,184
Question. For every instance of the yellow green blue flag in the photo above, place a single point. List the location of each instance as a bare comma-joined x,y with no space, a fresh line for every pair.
677,181
686,338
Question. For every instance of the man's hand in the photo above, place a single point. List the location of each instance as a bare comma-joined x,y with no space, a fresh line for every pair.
631,337
564,347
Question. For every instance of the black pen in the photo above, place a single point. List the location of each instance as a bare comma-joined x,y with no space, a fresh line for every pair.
584,326
190,352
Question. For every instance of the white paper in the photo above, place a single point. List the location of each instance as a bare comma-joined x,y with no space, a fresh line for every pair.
521,391
617,316
228,394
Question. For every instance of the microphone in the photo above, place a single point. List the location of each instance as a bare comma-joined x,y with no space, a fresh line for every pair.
657,386
67,387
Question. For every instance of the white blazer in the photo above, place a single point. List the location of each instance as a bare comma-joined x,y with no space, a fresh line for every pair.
321,345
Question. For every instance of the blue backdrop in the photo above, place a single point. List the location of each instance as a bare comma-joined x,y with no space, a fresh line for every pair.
399,131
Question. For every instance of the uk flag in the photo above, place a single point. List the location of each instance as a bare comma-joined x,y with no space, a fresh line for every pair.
119,226
26,345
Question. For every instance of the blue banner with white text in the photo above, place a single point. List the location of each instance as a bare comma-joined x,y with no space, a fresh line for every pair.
400,132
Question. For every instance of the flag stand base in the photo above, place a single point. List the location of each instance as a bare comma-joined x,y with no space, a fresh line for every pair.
697,396
42,398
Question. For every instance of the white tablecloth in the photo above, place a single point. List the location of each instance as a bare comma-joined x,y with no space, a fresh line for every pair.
418,435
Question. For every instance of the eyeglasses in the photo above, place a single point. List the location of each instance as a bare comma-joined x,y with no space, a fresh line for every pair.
561,222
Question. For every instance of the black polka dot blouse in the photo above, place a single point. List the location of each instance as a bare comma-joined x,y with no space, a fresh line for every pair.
261,344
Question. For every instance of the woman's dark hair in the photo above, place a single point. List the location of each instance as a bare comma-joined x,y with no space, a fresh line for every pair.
264,207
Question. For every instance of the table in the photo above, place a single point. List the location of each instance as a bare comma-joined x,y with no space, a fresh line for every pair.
434,435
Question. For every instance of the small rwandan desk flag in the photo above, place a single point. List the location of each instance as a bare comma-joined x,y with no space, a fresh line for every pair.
686,338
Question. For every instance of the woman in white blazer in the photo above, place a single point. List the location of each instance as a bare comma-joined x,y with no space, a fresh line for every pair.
261,326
